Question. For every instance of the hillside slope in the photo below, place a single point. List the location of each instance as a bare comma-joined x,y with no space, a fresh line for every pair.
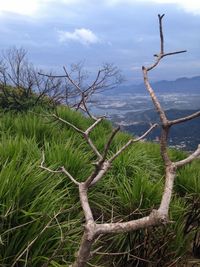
41,218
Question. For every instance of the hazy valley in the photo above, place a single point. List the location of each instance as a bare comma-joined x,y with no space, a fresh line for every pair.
132,109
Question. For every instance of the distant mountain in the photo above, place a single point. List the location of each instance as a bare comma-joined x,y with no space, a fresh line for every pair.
185,135
180,85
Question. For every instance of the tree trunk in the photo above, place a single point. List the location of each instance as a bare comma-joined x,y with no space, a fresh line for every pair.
83,254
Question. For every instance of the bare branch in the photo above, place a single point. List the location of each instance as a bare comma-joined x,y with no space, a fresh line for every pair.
93,125
170,167
71,80
51,75
85,203
24,82
163,146
82,93
155,218
94,148
79,93
161,34
184,119
189,159
68,123
98,174
95,81
104,165
160,56
174,53
163,118
85,108
45,168
61,170
162,52
132,141
146,133
154,98
170,174
84,134
107,146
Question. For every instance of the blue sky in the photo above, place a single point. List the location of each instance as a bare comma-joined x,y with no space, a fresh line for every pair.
123,32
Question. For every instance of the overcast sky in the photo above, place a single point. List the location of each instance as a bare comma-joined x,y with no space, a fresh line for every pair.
123,32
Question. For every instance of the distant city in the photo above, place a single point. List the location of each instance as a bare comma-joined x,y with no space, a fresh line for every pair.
132,109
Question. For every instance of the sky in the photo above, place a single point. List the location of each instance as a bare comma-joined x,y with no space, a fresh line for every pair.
57,33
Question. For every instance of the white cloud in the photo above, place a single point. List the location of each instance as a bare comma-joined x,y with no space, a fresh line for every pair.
188,5
66,2
22,7
84,36
30,7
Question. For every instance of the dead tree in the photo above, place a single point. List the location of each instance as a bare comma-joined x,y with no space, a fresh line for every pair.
19,80
160,216
49,87
17,71
79,91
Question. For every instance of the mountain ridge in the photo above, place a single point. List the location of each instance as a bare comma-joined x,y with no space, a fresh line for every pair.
180,85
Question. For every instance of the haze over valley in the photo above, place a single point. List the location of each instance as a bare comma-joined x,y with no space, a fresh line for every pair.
132,109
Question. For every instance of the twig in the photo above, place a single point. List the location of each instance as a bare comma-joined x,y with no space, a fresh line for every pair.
93,125
85,133
162,54
61,170
184,119
161,33
189,159
68,123
45,168
104,165
107,146
132,141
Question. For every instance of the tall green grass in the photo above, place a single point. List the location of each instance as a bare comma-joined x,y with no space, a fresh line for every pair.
40,215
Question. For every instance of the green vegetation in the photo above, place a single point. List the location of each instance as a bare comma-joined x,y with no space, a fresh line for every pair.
16,99
40,215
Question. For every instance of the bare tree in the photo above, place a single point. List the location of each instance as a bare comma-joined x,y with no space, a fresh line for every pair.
19,80
79,90
50,87
17,71
160,216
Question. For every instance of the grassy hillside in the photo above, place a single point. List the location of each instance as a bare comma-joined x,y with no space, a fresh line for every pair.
40,215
